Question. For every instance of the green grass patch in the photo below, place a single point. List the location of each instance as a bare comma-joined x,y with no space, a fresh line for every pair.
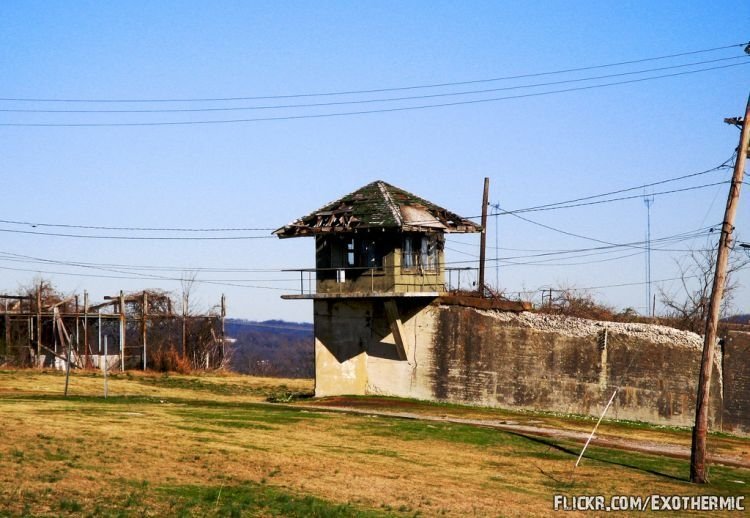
70,506
416,430
259,414
252,499
241,424
200,429
200,385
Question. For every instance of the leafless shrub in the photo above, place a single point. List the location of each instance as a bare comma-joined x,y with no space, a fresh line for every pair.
687,306
575,303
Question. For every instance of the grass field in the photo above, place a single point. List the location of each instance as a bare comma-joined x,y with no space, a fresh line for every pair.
212,445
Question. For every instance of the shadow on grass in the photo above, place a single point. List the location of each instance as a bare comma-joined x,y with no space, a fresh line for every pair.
614,457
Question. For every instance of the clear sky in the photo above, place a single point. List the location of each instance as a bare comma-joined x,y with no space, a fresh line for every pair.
263,174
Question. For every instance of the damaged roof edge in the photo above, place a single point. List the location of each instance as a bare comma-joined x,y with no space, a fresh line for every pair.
378,205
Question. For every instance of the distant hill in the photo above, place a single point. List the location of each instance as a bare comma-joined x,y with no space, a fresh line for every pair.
738,319
272,348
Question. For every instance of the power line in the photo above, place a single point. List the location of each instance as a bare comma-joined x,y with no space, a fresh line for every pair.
377,90
149,229
605,249
595,261
621,198
571,203
642,283
628,189
366,101
106,268
136,238
363,112
548,206
83,264
139,278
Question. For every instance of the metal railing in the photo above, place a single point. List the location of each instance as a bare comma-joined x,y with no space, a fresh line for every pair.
376,280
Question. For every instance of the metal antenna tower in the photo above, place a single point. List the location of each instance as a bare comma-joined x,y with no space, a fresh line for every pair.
648,200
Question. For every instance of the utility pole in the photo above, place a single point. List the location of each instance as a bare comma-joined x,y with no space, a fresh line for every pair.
698,450
483,237
496,207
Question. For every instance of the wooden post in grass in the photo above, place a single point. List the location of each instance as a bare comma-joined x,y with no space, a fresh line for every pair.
105,363
595,427
67,368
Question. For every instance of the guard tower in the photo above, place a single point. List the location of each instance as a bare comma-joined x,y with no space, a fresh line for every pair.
378,241
378,264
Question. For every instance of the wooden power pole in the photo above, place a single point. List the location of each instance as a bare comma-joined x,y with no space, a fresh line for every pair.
698,450
483,236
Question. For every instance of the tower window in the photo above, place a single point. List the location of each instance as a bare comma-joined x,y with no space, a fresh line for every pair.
420,252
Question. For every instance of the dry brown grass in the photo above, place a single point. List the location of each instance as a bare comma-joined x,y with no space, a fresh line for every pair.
129,454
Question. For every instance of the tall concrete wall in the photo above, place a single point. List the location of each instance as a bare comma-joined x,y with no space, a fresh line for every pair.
736,367
355,351
567,364
525,360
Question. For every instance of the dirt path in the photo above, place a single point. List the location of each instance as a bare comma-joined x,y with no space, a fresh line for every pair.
621,443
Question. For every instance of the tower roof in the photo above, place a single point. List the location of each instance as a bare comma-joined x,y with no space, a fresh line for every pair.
378,205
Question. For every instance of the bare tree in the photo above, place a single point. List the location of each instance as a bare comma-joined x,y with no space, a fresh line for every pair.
688,305
201,340
569,301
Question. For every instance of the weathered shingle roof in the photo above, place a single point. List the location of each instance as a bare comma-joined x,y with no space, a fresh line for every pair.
378,205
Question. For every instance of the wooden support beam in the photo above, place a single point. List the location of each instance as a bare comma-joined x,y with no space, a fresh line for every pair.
397,328
7,329
103,304
64,301
184,325
39,325
144,322
122,330
223,328
86,346
78,322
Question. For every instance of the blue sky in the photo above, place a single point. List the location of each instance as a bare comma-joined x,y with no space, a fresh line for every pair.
263,174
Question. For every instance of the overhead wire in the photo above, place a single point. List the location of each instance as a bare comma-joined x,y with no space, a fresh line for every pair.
378,90
569,203
149,229
367,101
141,277
136,238
551,206
361,112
